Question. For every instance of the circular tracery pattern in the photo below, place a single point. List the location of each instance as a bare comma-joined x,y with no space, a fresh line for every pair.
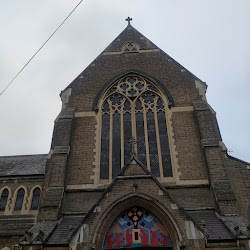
131,86
133,107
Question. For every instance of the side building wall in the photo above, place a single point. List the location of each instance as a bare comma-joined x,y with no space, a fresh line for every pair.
13,224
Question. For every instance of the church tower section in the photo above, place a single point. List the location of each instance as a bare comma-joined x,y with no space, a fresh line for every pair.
134,89
137,160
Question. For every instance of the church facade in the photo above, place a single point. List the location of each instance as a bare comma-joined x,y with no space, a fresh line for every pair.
136,162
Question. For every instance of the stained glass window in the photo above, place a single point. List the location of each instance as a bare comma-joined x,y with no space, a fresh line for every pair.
35,199
133,107
137,228
19,200
4,199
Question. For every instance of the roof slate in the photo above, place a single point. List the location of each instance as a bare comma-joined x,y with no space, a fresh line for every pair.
64,230
130,34
22,165
237,224
38,233
214,227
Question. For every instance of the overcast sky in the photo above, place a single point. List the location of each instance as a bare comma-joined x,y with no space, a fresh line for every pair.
210,38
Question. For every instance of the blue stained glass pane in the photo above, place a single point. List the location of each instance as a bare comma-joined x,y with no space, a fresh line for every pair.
116,150
153,152
165,152
104,171
148,97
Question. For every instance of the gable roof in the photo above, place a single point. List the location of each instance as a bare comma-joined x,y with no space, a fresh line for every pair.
130,34
147,174
22,165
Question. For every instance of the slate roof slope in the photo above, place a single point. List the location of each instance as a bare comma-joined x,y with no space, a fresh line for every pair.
22,165
213,226
64,230
237,224
38,233
130,34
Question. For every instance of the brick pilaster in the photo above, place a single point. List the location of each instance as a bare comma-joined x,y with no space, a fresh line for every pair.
225,200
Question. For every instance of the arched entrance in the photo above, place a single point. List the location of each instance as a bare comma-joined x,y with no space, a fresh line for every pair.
137,228
148,204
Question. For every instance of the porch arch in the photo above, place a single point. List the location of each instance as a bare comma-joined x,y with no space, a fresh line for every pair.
150,204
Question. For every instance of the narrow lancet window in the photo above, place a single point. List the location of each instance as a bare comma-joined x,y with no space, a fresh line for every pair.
4,199
127,131
116,145
19,200
165,152
35,199
104,171
140,135
133,107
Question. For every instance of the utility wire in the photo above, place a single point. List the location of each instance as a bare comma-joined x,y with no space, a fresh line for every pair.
41,47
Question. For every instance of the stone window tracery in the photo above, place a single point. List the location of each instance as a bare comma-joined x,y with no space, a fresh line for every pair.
133,107
130,47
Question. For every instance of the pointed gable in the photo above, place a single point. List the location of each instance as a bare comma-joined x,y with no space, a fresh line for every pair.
113,58
134,167
130,34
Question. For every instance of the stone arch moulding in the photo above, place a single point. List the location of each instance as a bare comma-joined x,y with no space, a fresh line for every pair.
158,83
6,187
9,199
140,200
25,199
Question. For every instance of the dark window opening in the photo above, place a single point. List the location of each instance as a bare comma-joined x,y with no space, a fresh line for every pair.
35,199
4,199
133,107
19,200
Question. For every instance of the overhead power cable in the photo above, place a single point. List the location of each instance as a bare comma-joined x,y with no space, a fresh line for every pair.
41,47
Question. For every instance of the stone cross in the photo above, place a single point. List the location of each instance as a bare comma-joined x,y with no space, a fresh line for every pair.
128,20
133,141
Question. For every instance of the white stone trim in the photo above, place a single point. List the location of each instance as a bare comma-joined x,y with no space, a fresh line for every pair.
65,97
201,88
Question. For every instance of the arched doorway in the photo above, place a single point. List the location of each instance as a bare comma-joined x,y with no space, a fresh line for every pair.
137,228
143,201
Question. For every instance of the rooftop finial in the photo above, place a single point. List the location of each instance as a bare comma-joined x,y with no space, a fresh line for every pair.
128,20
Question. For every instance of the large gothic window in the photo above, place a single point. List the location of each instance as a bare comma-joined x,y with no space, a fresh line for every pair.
133,107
